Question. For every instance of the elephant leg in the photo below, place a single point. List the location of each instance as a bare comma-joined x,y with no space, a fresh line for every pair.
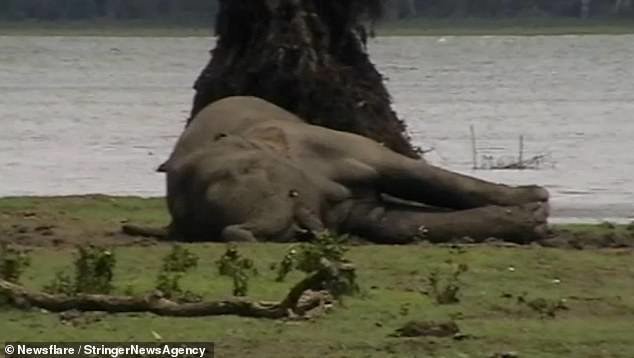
236,233
192,232
425,183
397,224
275,226
416,180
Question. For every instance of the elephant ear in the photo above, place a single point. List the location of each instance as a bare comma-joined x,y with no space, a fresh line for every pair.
273,137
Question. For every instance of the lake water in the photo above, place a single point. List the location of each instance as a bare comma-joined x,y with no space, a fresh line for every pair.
98,115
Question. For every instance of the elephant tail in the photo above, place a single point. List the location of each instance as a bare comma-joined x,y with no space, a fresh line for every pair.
162,168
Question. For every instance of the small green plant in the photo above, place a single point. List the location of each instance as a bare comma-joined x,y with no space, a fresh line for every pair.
13,262
61,284
94,271
311,257
546,308
286,266
238,268
306,257
175,265
179,259
607,225
446,290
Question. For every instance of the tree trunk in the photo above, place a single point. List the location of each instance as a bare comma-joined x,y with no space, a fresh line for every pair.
308,57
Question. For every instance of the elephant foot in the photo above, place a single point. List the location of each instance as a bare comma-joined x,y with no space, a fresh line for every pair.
236,233
513,196
520,224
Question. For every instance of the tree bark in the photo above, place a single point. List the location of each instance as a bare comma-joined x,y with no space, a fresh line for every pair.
308,57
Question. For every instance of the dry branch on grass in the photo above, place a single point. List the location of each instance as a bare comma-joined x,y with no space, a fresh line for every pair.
302,298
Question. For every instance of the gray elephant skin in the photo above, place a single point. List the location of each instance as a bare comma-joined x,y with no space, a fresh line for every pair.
247,170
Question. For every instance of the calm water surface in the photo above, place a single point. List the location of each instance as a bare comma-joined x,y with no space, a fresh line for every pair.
87,115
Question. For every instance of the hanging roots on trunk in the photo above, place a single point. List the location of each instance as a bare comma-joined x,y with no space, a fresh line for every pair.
307,56
302,300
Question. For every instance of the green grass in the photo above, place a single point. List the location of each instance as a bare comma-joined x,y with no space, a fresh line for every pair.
598,286
96,209
106,28
513,27
409,27
597,229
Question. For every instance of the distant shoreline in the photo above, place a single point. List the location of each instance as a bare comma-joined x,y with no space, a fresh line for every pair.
412,27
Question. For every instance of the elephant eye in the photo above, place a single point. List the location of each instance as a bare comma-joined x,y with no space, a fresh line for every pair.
293,193
220,136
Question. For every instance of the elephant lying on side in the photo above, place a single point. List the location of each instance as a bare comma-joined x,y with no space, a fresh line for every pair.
246,170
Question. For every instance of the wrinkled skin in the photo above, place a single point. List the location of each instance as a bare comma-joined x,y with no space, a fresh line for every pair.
246,170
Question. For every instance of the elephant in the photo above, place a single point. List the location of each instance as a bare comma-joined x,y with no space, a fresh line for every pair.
245,169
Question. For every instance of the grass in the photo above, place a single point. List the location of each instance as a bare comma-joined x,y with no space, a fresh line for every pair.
392,278
106,28
598,286
507,27
409,27
90,210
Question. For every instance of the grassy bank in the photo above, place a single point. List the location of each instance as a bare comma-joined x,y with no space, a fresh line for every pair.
507,27
410,27
104,28
501,306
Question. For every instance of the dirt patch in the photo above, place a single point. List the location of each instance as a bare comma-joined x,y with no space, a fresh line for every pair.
46,233
52,222
599,237
578,237
428,329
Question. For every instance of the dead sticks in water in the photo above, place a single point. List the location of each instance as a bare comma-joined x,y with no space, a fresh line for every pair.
489,162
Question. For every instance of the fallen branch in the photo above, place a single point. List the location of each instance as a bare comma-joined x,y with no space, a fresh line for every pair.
303,297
